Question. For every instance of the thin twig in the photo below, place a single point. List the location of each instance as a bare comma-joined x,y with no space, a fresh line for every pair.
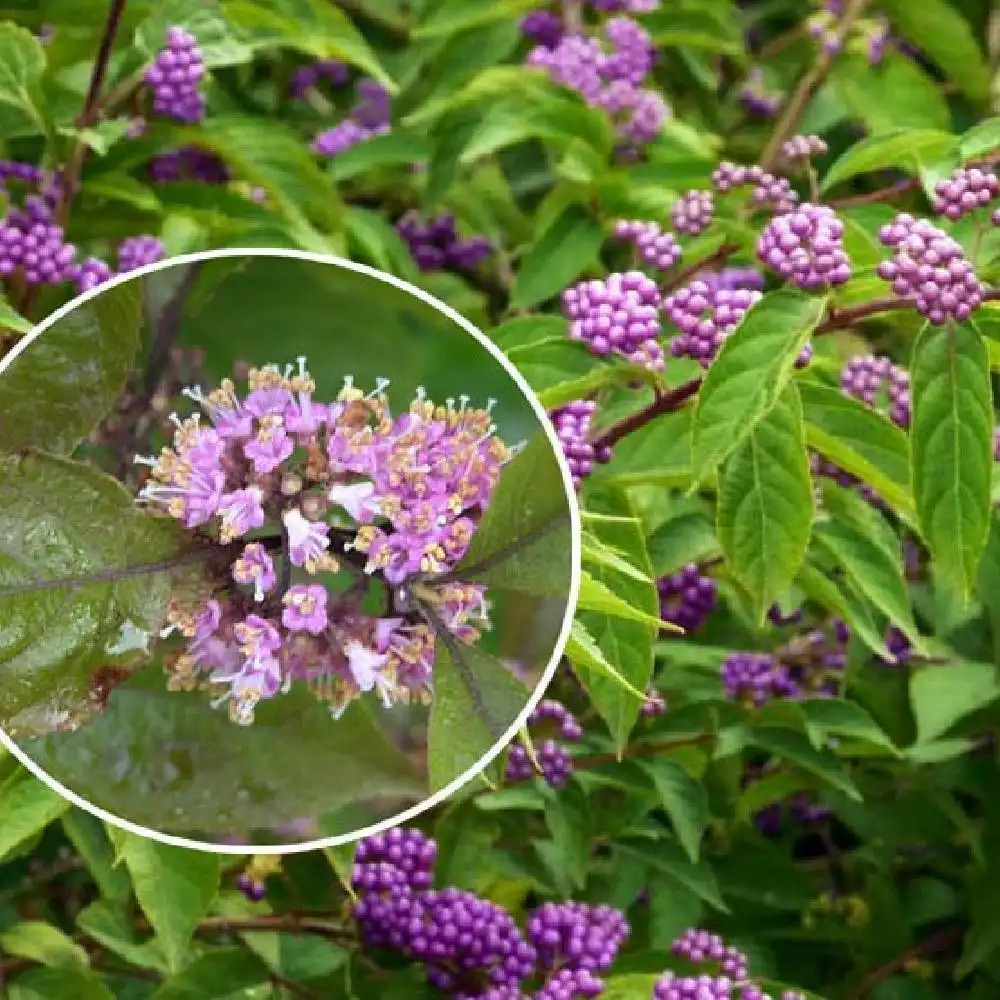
796,106
940,941
91,106
666,402
721,255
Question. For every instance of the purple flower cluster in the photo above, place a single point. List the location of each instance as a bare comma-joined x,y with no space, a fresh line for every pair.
805,246
395,515
692,213
138,251
930,266
800,808
867,376
609,76
769,190
549,719
654,247
706,315
687,597
189,163
968,189
175,78
726,972
369,117
90,273
471,947
306,77
802,148
757,98
22,173
572,426
755,678
620,315
543,27
33,245
436,245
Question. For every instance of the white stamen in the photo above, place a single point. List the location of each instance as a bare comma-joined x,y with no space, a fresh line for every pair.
145,460
490,403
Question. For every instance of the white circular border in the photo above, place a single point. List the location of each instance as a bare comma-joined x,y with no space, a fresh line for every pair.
575,552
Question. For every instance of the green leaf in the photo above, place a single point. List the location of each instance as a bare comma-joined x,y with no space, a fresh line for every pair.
952,441
749,375
62,385
684,799
981,140
175,888
315,27
683,539
59,984
378,242
826,717
626,645
64,521
267,153
112,925
765,506
220,973
202,18
633,986
794,747
22,62
11,319
41,942
582,651
596,553
566,248
860,441
394,149
941,696
712,27
459,15
523,541
90,840
668,857
27,807
526,333
902,149
475,702
659,453
858,538
596,596
943,34
101,136
219,778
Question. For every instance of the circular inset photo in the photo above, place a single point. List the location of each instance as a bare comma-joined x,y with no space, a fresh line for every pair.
288,551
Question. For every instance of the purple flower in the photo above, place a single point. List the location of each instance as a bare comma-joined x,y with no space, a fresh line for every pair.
241,512
358,499
305,608
255,567
307,540
365,665
270,447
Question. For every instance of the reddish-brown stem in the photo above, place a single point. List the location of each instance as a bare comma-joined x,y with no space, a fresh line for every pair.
940,941
722,254
665,402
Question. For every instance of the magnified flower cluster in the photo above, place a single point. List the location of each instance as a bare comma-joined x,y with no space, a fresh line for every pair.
293,489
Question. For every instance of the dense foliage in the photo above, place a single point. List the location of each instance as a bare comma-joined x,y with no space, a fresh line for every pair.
747,255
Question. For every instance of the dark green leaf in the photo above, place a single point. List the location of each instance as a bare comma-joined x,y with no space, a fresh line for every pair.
560,254
582,651
218,973
205,20
684,799
59,984
952,440
668,858
67,379
766,506
787,744
394,149
750,373
523,541
62,520
475,702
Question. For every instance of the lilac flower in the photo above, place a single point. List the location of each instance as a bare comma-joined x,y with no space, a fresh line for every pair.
358,499
307,540
365,664
255,567
305,609
270,447
241,512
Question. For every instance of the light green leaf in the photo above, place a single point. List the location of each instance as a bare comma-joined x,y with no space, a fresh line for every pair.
684,799
941,696
595,596
749,375
61,387
204,19
566,248
952,441
626,645
659,453
22,62
90,840
11,319
27,807
903,149
459,15
943,34
981,140
595,552
582,651
860,441
476,700
63,520
41,942
765,506
632,986
394,149
174,887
